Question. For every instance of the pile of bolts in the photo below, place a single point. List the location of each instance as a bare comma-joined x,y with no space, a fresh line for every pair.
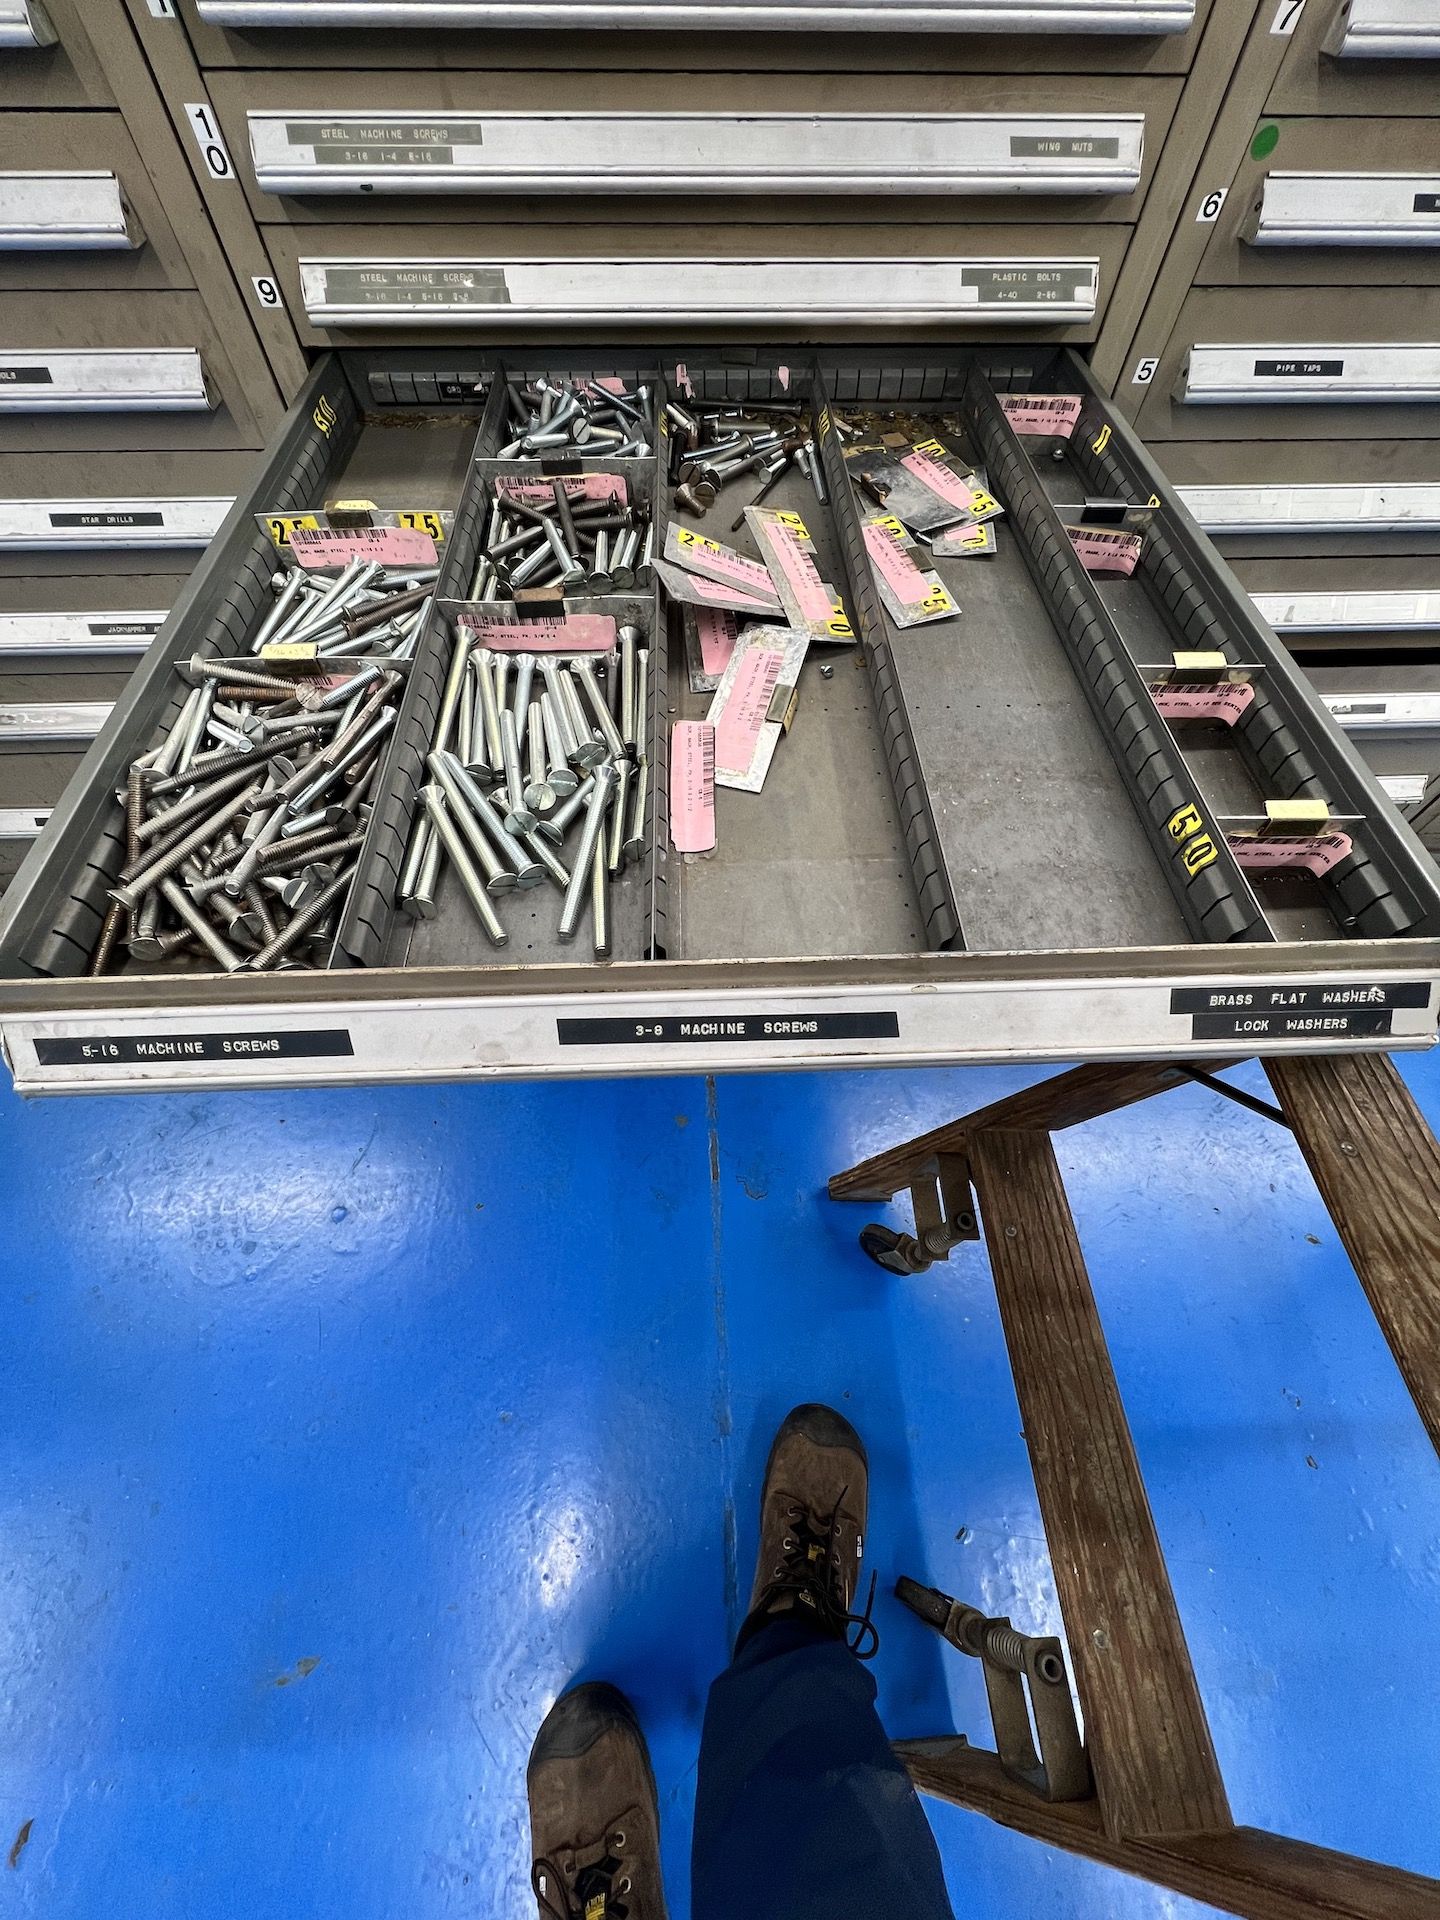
582,546
528,749
584,416
716,443
244,825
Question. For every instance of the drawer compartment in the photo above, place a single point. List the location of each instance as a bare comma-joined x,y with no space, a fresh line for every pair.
104,380
60,212
1309,375
1311,498
898,877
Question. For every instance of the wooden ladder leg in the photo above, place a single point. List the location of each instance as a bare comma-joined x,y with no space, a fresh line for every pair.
1377,1165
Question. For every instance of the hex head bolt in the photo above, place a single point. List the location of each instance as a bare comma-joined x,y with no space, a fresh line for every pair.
518,817
584,673
582,873
448,775
434,798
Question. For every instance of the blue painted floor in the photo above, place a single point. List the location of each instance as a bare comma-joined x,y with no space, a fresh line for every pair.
341,1431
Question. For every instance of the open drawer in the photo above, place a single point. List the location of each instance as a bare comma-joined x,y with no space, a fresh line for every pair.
993,837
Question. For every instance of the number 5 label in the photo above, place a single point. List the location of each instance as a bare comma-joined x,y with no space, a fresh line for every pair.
1144,372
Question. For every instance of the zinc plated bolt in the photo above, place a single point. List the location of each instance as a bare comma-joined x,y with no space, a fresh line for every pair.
518,818
449,776
600,903
484,807
539,794
582,873
559,774
584,673
132,890
434,798
520,701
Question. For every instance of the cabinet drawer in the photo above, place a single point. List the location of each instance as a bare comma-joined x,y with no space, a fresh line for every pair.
136,371
65,517
351,282
356,146
1352,329
997,36
78,208
1361,57
891,895
1333,203
46,59
1281,500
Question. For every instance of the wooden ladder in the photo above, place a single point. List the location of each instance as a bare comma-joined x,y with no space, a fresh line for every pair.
1159,1808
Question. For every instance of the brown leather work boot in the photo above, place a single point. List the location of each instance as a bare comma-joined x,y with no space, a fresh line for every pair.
594,1817
813,1510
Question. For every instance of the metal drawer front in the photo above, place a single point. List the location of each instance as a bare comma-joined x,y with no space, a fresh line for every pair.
1347,210
36,726
1305,375
525,152
1386,712
27,638
22,823
850,16
104,380
1398,611
23,24
1403,507
1386,30
45,525
517,293
48,212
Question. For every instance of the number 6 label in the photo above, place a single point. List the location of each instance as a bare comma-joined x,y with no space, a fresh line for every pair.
1210,206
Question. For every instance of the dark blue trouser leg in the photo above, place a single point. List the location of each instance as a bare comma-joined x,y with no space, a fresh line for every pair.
802,1812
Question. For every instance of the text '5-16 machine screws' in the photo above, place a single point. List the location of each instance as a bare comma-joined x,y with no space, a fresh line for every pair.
244,822
538,769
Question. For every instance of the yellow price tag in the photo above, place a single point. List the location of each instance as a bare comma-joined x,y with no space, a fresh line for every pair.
282,525
931,446
937,601
982,502
688,537
793,521
890,524
838,626
423,523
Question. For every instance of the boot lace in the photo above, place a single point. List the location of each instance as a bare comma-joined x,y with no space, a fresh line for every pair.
599,1890
810,1570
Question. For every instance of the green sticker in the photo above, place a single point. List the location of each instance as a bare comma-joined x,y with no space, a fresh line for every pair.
1265,142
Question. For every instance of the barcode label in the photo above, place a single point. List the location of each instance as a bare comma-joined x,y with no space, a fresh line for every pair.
692,787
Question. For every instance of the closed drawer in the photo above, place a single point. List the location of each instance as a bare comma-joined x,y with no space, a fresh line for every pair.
78,208
1361,57
72,517
1332,203
350,282
1284,500
46,59
133,370
999,36
1306,353
355,146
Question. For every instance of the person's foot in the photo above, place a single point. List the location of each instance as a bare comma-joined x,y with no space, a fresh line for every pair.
594,1817
813,1511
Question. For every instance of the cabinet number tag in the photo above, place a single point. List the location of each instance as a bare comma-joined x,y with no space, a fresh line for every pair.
210,140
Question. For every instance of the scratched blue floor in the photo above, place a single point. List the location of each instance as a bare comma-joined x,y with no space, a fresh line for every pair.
340,1431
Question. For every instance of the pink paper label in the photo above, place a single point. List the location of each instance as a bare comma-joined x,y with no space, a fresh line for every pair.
1100,551
1042,413
1214,700
611,384
899,569
939,479
693,590
692,787
574,633
739,725
682,380
716,561
336,546
782,374
1313,853
578,486
811,594
718,633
